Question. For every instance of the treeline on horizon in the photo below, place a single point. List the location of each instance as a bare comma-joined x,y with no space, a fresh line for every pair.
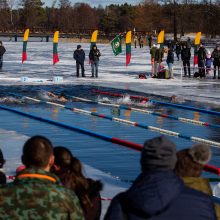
173,16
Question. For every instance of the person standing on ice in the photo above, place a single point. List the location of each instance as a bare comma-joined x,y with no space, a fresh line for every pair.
94,55
201,60
170,61
185,56
216,62
79,56
153,62
2,51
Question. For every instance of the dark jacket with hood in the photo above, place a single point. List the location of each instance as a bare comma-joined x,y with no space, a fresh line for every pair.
185,54
79,56
170,56
94,55
2,51
160,195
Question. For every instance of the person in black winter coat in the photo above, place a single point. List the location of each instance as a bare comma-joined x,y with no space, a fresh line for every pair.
201,60
216,62
79,56
185,56
2,51
170,61
178,50
94,55
158,193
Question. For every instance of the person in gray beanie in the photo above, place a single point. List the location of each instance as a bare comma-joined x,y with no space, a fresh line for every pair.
158,193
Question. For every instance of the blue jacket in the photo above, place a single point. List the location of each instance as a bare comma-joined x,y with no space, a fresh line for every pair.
160,195
79,56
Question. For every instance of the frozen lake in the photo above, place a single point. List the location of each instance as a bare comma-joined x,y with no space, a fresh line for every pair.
115,165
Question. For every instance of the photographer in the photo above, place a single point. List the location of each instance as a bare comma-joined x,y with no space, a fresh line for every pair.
94,55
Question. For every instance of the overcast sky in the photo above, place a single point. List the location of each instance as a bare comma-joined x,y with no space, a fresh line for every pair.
97,2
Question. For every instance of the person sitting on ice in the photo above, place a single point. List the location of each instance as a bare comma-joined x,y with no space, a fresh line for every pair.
158,193
62,97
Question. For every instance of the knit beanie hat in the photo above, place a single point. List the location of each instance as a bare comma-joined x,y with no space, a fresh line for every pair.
158,154
200,153
191,161
2,160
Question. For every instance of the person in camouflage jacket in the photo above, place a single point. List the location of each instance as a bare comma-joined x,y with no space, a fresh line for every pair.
35,192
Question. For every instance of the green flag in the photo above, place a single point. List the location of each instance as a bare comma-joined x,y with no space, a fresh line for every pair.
116,45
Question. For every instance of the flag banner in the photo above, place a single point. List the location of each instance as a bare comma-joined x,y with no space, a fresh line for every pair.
116,45
128,47
196,45
160,38
55,45
93,40
197,39
24,51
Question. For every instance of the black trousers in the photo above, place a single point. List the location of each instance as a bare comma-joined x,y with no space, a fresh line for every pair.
201,66
78,66
186,63
216,68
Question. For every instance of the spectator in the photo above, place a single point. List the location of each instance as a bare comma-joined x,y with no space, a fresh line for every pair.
178,50
36,193
201,60
69,169
158,193
208,62
189,166
185,56
158,58
79,56
2,174
149,40
94,55
216,62
188,43
153,62
2,51
135,40
141,41
170,60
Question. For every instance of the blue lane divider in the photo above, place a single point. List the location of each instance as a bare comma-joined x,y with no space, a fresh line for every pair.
160,102
186,107
122,142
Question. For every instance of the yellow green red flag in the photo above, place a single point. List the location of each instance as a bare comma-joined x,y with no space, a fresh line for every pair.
128,47
24,52
55,45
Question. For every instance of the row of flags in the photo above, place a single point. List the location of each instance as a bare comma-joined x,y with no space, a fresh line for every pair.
116,45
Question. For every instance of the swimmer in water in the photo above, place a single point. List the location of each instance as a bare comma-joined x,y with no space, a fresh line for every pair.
62,97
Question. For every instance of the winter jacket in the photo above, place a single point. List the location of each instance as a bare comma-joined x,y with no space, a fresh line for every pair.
94,189
185,54
3,179
170,56
79,56
178,49
36,194
216,57
159,55
208,61
201,54
94,55
160,195
153,52
202,185
2,51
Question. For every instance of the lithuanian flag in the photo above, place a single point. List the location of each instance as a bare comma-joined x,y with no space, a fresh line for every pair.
128,47
196,46
24,52
55,45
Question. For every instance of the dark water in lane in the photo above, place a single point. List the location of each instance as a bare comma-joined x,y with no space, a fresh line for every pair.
111,158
